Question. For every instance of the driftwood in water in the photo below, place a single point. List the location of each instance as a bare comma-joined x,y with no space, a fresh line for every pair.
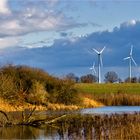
4,122
41,121
55,119
28,119
6,116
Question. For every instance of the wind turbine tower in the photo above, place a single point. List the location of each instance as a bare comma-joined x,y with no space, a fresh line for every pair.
131,59
100,62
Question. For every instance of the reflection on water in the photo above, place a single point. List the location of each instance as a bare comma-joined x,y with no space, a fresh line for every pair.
80,127
27,132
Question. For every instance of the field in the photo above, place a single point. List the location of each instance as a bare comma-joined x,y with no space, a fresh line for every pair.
129,88
111,94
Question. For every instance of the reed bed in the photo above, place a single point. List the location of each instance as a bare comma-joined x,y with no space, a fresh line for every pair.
124,126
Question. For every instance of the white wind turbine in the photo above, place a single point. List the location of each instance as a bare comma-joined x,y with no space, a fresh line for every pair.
93,68
131,59
100,62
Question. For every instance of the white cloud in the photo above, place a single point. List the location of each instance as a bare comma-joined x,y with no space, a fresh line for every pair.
9,41
4,9
133,22
33,16
129,23
34,20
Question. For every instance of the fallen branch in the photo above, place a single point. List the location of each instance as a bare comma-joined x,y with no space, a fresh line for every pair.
6,116
37,123
29,116
56,119
29,120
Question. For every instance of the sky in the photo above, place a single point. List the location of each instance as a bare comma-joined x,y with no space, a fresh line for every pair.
58,35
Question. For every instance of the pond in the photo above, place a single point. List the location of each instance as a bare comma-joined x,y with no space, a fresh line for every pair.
93,123
111,110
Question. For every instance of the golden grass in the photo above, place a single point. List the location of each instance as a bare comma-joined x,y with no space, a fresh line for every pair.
87,102
5,106
62,107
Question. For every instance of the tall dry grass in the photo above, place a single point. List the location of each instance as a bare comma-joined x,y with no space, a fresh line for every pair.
104,127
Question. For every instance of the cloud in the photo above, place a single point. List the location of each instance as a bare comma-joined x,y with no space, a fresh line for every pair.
95,24
4,8
34,16
71,54
25,17
9,41
63,34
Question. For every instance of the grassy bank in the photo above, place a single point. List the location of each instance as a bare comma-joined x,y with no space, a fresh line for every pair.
111,94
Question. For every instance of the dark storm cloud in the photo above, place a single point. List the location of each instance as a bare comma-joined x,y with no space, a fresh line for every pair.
73,53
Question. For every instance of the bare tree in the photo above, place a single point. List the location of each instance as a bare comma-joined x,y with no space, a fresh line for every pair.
132,80
72,77
89,78
111,77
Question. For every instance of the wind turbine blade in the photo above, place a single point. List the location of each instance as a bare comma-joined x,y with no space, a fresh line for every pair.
95,50
102,49
89,51
126,58
131,51
94,70
133,61
93,64
94,67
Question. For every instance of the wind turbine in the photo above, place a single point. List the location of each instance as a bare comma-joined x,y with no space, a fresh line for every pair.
93,68
131,59
100,62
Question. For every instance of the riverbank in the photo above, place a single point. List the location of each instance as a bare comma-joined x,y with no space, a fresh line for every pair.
7,107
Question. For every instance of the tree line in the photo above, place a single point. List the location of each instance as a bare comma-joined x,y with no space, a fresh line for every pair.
109,77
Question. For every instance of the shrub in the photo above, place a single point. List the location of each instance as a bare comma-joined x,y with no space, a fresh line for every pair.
38,94
8,88
35,86
66,93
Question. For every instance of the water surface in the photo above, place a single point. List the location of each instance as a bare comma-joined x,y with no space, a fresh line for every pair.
111,110
79,125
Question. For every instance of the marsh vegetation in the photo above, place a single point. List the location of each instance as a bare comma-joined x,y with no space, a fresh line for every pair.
76,126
